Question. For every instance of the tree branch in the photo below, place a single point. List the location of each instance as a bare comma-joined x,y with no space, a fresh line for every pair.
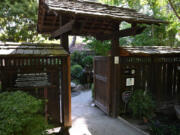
174,10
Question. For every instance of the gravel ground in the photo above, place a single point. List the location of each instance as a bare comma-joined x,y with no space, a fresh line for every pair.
89,120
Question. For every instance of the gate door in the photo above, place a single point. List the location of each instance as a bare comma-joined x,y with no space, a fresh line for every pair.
102,83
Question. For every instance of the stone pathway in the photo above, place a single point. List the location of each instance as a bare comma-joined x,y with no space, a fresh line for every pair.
89,120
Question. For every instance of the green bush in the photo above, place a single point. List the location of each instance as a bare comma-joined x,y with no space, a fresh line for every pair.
141,104
77,57
76,72
88,62
20,114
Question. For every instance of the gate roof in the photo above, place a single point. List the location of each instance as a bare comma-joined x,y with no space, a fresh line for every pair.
86,18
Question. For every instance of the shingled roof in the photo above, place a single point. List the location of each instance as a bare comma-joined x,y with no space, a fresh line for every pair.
80,7
90,18
9,49
149,50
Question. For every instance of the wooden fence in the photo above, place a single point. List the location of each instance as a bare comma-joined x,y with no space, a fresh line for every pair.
54,90
159,75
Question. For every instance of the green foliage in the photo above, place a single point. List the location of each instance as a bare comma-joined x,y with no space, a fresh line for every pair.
20,114
77,58
18,20
76,72
166,34
163,129
88,62
141,104
80,62
100,48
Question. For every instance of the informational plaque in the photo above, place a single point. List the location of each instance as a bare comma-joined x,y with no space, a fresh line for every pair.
178,67
116,60
129,81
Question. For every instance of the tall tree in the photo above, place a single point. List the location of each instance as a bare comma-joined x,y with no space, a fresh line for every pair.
163,9
18,20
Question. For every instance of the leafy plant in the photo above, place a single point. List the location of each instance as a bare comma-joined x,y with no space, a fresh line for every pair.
88,62
18,20
158,128
100,48
20,114
166,35
141,104
76,72
77,57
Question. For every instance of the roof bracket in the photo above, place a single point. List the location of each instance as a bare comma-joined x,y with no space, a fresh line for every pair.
63,29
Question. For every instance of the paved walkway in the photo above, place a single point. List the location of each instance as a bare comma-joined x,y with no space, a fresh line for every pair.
88,120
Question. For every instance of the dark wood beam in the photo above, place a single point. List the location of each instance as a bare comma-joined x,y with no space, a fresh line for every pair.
122,33
130,31
63,29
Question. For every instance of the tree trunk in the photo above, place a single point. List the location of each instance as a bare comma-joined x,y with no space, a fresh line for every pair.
73,42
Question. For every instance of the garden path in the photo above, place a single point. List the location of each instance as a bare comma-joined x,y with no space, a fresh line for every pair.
89,120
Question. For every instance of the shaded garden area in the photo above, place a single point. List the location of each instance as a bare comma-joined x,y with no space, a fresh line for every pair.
46,72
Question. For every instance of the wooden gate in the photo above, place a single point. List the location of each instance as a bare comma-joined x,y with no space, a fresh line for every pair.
158,75
102,83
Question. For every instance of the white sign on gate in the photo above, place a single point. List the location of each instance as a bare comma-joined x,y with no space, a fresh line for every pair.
129,81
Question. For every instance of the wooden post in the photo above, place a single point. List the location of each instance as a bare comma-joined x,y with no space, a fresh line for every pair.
66,92
66,83
115,75
65,42
64,37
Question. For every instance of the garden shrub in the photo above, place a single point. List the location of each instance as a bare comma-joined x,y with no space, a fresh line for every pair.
76,72
77,57
20,114
141,104
158,128
81,67
88,62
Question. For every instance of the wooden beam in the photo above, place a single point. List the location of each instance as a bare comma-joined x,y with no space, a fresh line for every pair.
63,29
122,33
130,31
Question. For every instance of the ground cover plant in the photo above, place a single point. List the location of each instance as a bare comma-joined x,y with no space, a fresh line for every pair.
20,114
